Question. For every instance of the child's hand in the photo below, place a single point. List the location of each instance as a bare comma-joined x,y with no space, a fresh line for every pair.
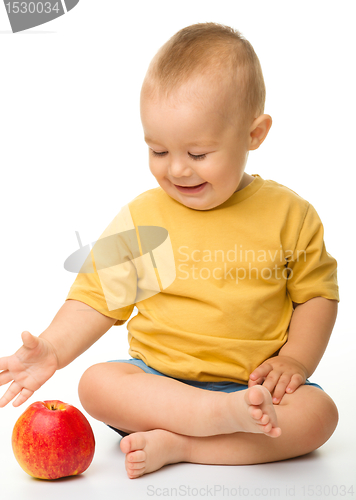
29,368
280,375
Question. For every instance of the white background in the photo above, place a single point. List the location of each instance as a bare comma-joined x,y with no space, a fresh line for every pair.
72,154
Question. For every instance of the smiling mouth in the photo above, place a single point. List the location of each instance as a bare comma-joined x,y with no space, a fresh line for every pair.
196,185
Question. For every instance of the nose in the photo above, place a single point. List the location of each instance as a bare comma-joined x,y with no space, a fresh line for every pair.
178,167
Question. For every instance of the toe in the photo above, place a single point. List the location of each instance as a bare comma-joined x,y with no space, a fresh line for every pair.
132,473
136,456
266,428
135,467
255,413
132,442
275,432
125,444
255,395
265,419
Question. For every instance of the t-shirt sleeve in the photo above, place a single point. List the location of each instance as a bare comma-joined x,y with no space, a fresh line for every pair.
87,288
312,270
107,279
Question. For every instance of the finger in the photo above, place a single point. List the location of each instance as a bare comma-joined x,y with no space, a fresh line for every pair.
255,382
29,340
22,397
5,377
271,381
12,391
261,372
296,381
280,388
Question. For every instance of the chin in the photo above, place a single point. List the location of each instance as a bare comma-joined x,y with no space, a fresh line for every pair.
196,204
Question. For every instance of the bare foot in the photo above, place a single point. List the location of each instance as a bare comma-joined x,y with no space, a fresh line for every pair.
252,411
259,415
151,450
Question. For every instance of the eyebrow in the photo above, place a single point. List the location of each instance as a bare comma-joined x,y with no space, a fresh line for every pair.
195,143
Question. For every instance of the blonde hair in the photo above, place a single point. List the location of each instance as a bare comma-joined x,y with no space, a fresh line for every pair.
218,53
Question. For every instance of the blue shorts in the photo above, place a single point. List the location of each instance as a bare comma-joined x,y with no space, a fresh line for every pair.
210,386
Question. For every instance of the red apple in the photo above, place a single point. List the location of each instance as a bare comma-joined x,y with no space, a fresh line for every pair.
52,439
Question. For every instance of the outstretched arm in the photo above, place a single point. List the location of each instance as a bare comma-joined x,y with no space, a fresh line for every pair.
73,330
309,333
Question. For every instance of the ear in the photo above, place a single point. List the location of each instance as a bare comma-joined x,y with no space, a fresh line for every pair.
259,130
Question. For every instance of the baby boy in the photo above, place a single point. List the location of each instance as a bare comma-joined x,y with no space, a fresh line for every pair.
235,291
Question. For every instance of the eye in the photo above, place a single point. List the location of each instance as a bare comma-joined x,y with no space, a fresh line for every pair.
196,157
158,154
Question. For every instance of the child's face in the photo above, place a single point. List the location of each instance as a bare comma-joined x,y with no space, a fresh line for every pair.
197,144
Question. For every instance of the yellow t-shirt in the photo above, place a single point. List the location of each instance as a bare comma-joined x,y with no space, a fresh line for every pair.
213,288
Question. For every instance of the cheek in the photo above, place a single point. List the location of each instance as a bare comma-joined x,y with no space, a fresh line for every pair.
217,173
153,167
157,168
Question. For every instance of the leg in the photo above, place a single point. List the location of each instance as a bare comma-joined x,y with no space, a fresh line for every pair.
125,397
307,419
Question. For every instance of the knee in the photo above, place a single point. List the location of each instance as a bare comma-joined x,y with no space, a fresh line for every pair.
333,416
327,420
88,384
